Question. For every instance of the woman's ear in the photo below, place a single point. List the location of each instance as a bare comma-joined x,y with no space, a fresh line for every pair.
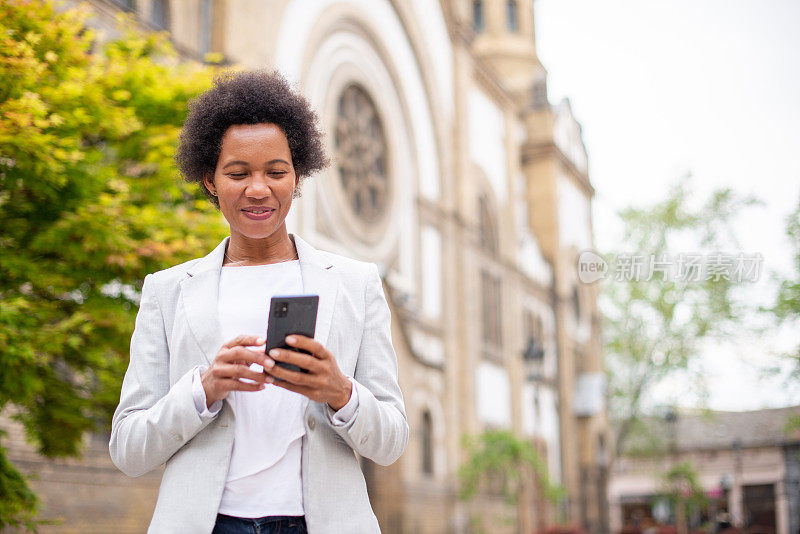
208,181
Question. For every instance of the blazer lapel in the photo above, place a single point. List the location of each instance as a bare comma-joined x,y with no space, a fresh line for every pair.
318,279
200,291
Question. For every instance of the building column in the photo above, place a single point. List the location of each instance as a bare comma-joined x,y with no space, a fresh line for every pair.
735,502
781,508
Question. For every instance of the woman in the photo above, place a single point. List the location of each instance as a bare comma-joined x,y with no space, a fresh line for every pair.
250,446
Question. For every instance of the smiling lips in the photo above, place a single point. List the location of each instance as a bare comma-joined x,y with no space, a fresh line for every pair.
258,213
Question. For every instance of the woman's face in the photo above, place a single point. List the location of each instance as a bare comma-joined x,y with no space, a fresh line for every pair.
254,179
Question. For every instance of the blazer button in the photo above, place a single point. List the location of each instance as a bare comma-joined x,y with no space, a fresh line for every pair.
364,440
311,423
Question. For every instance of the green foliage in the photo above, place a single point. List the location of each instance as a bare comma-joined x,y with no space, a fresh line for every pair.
652,328
89,203
18,503
681,488
792,424
501,460
787,303
647,438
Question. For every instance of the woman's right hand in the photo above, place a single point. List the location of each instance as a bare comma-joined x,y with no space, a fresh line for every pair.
231,363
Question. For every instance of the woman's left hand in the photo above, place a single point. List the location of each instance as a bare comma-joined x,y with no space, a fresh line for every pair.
324,382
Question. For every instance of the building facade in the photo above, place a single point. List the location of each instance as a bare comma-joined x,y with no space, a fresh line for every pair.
454,174
748,464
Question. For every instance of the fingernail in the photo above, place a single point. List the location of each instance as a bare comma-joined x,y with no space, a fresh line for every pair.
290,339
269,364
260,341
269,380
274,352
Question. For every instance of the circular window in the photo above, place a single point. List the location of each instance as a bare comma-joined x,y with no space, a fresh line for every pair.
361,155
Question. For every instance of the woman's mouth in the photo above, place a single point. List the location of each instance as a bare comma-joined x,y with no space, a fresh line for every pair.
258,214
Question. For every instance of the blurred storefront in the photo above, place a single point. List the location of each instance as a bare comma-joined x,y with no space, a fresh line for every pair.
748,464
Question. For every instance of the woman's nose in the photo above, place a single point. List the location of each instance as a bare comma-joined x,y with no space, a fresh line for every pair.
258,187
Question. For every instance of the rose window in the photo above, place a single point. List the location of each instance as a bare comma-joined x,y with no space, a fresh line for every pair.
361,154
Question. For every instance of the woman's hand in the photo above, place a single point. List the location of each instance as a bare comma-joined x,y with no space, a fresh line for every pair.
231,363
324,382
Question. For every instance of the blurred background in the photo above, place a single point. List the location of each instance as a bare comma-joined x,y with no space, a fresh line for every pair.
586,216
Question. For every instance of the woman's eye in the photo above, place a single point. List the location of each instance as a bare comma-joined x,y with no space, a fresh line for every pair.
278,173
237,174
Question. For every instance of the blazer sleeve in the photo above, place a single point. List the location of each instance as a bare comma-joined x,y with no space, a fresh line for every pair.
380,429
153,420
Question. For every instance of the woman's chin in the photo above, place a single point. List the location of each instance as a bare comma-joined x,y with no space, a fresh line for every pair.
257,231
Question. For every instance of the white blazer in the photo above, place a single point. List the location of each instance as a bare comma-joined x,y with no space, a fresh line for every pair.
177,329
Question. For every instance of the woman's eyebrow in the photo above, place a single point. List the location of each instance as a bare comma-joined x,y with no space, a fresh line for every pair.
278,160
237,162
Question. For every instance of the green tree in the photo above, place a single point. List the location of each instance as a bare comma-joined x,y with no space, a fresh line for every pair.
787,305
653,326
681,488
89,203
501,463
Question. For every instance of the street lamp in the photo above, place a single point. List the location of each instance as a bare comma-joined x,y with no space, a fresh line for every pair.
533,356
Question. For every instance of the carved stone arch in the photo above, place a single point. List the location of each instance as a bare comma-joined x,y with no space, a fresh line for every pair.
310,33
440,91
343,16
344,49
361,184
403,10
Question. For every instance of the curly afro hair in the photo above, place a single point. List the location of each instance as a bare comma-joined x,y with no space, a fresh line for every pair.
252,97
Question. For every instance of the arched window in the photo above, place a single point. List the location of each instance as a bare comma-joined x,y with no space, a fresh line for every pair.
159,14
477,15
427,443
488,234
511,16
362,155
490,307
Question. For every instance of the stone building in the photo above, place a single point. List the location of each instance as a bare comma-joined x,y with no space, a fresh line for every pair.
748,464
470,190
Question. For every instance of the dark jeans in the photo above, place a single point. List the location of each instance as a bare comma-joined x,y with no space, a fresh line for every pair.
260,525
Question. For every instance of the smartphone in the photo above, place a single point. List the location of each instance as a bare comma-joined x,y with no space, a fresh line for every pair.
287,316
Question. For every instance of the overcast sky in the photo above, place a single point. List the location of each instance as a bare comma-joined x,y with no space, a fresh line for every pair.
710,87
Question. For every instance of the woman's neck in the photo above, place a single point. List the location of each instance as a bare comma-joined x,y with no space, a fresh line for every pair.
247,251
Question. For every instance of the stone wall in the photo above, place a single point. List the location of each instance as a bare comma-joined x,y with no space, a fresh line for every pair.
83,495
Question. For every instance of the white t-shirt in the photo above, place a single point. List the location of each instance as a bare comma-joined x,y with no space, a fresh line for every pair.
264,474
269,423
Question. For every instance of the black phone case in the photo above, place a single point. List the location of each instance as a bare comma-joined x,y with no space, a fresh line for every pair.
290,315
